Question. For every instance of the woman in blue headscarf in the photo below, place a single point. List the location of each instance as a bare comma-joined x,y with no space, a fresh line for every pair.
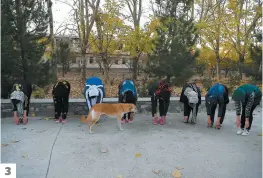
94,91
127,94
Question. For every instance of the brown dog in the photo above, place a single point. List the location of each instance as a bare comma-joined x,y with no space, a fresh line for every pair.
112,110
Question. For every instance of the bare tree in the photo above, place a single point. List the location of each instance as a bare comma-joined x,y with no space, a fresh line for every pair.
135,9
85,12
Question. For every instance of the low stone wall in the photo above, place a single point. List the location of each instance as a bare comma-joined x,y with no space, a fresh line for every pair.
45,107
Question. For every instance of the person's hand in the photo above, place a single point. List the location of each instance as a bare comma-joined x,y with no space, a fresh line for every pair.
238,121
247,123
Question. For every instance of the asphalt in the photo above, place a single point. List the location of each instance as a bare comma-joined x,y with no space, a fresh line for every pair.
195,150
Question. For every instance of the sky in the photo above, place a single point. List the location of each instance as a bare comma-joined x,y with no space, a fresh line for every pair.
61,13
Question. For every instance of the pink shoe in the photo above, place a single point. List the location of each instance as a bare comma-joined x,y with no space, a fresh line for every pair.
16,120
58,120
129,121
64,121
123,121
162,120
155,120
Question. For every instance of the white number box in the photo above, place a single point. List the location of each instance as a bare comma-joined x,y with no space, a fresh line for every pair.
7,170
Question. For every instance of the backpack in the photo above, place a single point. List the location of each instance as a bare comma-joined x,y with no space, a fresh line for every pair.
93,91
191,95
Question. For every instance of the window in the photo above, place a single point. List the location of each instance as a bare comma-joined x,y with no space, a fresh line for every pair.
123,61
73,61
91,60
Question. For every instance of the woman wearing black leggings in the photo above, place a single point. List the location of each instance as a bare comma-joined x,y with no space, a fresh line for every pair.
160,90
60,92
191,97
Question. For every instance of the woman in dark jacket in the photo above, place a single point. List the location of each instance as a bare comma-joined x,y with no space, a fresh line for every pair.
191,97
160,90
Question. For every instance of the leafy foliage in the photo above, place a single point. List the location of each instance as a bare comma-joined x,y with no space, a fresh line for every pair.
24,25
174,56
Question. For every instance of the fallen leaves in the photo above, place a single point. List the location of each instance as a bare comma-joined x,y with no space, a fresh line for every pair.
24,156
260,134
137,154
119,176
176,174
15,141
156,171
4,145
103,150
33,114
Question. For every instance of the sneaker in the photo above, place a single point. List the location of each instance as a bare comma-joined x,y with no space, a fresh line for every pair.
57,120
64,120
123,121
162,120
240,131
155,120
245,132
129,121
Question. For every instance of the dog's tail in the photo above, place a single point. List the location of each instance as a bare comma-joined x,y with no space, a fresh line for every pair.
86,118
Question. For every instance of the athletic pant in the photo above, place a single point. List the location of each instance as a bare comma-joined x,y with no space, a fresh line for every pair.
243,118
61,106
163,104
188,109
91,101
131,102
212,109
25,105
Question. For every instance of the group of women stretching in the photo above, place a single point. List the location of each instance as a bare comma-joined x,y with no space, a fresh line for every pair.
246,98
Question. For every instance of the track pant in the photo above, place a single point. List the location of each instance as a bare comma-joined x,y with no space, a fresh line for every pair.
212,109
130,101
91,101
24,105
61,106
163,105
243,118
188,109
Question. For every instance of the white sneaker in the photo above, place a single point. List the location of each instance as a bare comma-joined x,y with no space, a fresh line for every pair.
245,132
240,131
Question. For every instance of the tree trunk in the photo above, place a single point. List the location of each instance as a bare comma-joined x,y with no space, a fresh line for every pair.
240,67
106,70
135,68
21,29
84,68
218,43
63,69
52,39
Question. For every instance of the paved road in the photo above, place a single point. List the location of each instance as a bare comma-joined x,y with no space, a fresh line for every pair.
201,152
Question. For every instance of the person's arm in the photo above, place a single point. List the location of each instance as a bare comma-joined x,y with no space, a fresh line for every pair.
221,107
182,94
238,107
199,95
226,97
249,104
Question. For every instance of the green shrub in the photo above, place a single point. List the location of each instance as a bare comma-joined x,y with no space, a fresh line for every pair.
38,93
